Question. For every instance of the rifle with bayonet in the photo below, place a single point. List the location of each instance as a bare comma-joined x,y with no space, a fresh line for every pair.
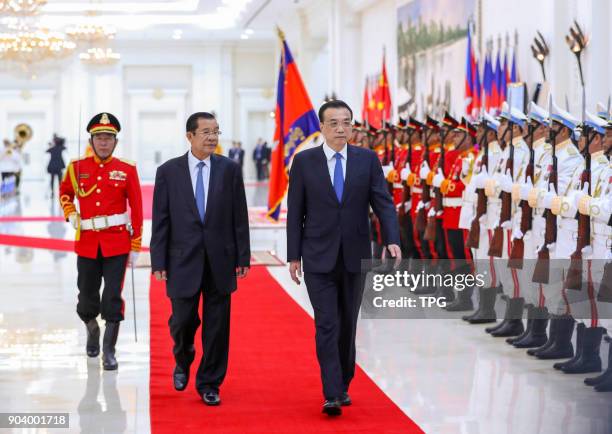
541,274
497,243
473,240
518,245
430,230
421,218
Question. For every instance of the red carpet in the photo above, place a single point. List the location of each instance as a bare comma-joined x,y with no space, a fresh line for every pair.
273,383
37,242
147,201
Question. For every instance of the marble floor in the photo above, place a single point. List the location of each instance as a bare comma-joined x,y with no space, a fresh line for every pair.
449,377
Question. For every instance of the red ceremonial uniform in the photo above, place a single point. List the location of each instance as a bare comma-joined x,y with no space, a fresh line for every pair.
105,189
414,181
452,189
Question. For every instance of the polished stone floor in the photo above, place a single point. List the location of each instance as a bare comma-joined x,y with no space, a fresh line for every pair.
446,375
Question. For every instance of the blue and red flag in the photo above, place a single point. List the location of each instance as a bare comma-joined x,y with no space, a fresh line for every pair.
496,88
487,82
296,123
477,91
514,74
470,72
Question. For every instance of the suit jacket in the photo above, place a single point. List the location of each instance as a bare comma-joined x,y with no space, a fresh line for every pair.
317,224
180,242
240,152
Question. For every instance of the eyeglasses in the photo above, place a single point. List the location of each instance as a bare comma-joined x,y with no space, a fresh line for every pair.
335,124
207,133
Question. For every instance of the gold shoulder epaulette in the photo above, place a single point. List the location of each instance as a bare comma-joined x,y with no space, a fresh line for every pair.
602,159
571,150
74,160
130,162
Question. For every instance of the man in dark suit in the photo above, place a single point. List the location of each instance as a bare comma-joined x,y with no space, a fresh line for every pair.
331,188
236,153
200,224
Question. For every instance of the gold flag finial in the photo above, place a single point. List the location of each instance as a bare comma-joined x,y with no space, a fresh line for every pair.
280,33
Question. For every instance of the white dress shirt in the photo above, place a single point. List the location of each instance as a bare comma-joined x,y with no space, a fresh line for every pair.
193,172
330,155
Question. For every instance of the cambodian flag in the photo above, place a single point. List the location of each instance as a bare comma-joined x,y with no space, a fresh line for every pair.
296,123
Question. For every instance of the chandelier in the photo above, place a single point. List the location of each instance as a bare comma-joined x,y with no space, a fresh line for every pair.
24,8
100,56
89,31
34,46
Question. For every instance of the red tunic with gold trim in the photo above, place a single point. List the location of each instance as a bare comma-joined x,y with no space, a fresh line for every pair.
434,156
452,187
413,180
401,156
105,189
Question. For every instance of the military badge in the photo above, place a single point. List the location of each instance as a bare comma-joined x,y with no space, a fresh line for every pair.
117,175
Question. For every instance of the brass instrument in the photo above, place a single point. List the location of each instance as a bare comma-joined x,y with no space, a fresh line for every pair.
23,134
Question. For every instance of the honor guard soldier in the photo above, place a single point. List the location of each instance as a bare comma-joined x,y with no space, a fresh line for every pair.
409,176
588,177
511,165
106,236
486,217
458,161
560,235
532,231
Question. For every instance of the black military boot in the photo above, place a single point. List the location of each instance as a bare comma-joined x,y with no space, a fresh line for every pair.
108,346
536,335
93,338
513,319
606,376
444,293
463,301
486,307
480,301
561,347
579,335
527,330
589,359
552,335
426,289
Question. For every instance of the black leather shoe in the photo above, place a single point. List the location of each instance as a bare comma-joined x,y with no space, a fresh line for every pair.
180,377
211,398
345,399
332,407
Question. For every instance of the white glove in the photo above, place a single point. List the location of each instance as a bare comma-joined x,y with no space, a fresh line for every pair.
424,170
432,212
525,189
74,219
481,178
578,195
465,166
404,173
387,169
133,257
517,234
420,205
437,181
505,182
548,197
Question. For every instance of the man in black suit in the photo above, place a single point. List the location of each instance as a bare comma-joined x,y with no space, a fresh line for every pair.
236,153
331,188
200,224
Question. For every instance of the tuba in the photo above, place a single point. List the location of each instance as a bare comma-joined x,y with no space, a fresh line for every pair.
23,134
